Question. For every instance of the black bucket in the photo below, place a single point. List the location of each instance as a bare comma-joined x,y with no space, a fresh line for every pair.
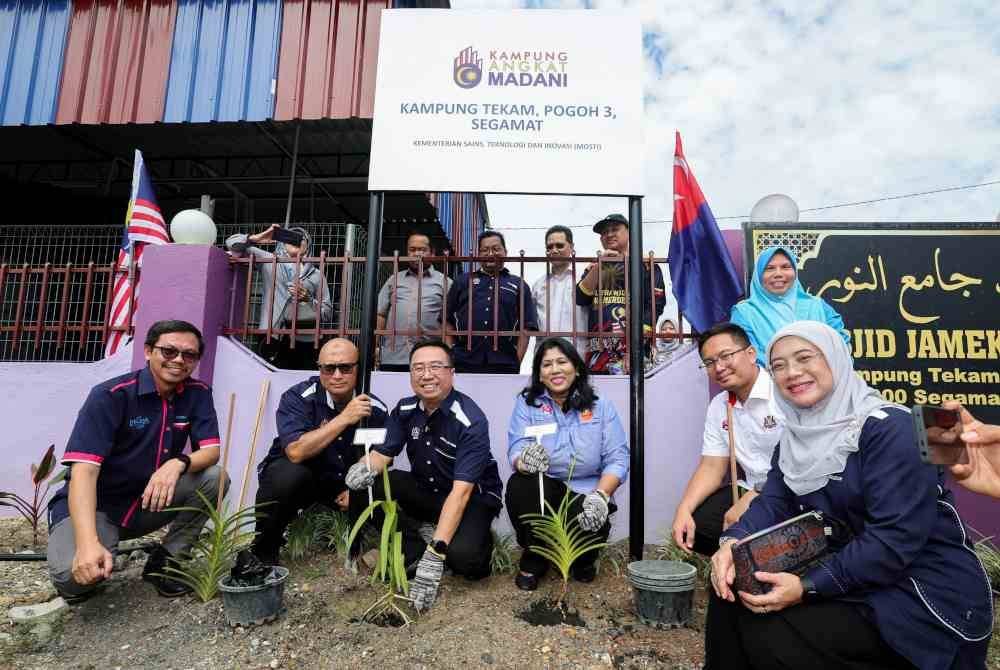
254,605
663,592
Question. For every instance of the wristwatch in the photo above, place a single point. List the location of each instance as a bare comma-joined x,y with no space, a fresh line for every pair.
440,547
809,593
186,460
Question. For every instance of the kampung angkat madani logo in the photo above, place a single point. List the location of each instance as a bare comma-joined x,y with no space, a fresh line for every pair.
512,68
468,68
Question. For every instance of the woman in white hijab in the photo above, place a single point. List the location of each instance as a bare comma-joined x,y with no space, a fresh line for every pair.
901,586
308,300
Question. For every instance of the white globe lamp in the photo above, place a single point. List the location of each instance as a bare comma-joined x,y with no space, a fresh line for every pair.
192,226
775,208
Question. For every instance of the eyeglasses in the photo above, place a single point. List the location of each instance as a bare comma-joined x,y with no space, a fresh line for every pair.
725,358
342,368
434,368
783,367
170,353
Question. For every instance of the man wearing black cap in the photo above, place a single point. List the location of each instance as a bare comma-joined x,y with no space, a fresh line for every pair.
604,294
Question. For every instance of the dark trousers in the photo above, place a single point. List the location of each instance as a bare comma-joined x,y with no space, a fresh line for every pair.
708,518
827,634
471,547
522,498
280,354
287,488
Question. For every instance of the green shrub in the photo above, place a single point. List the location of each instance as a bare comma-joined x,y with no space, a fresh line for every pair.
503,560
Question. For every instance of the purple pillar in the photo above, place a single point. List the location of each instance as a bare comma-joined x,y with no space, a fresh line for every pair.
734,243
189,282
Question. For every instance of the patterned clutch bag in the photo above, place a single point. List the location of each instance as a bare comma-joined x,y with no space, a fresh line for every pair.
791,546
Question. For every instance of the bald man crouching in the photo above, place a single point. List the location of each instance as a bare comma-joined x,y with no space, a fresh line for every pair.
307,462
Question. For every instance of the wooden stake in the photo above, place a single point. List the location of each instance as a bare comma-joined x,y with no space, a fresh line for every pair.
253,440
732,452
225,453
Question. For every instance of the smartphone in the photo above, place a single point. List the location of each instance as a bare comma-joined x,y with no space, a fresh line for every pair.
938,431
287,236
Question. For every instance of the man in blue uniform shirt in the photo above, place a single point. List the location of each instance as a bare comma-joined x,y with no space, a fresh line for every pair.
453,486
314,447
127,466
491,283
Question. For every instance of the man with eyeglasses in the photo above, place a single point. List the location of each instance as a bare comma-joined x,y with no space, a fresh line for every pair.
707,508
127,466
603,294
309,458
555,292
451,493
491,283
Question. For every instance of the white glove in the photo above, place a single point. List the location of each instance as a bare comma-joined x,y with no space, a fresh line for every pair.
533,459
359,477
595,511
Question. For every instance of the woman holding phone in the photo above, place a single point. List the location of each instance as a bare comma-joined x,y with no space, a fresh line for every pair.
901,586
583,434
307,299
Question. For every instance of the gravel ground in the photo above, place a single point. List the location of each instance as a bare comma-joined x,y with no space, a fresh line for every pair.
473,625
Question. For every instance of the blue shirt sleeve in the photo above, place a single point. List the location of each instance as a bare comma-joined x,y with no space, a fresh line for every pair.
835,321
614,443
519,420
293,417
395,436
530,311
900,499
454,298
737,317
473,452
204,424
93,433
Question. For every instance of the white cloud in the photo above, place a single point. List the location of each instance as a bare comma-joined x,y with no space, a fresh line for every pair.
827,102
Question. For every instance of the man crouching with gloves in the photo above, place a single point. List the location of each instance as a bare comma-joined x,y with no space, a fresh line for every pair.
451,495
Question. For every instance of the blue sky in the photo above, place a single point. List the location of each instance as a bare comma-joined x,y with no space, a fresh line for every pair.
828,102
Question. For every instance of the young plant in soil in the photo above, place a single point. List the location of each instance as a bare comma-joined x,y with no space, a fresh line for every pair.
391,567
561,539
212,555
33,510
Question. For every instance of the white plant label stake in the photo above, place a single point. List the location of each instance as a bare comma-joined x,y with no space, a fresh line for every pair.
369,437
538,432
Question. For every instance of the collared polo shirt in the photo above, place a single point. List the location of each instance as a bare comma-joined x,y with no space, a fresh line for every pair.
511,290
397,302
304,408
128,429
758,425
452,443
555,302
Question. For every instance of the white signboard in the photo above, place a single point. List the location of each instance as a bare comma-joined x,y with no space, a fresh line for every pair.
531,101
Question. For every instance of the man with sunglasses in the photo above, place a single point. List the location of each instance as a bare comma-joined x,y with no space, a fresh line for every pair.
451,494
555,292
306,464
128,466
707,506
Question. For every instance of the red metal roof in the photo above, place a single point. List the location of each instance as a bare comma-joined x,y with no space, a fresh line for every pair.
326,67
117,60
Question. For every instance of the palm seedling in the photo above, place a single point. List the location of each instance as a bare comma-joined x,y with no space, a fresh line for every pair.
391,567
212,555
562,541
32,510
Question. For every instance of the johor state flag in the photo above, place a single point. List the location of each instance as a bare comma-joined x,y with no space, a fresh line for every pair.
705,282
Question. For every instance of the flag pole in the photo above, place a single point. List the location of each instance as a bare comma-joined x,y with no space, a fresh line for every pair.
637,491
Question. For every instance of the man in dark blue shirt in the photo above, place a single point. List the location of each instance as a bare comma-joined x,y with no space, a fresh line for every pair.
127,466
453,486
496,297
314,447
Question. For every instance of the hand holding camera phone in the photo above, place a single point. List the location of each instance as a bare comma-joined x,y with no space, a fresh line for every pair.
938,435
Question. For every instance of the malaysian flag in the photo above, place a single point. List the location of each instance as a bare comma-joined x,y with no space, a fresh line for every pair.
143,225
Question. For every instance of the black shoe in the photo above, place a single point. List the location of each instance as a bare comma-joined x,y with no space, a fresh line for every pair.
585,574
526,582
154,572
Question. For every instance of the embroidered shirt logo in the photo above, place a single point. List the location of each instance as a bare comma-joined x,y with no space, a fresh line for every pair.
415,432
770,423
546,408
586,415
138,422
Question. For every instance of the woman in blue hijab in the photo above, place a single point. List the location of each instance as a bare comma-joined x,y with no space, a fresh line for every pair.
778,299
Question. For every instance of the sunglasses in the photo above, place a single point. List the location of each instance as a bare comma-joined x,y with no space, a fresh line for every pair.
342,368
170,353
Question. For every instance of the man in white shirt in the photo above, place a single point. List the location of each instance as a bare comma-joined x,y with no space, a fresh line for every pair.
707,506
555,294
